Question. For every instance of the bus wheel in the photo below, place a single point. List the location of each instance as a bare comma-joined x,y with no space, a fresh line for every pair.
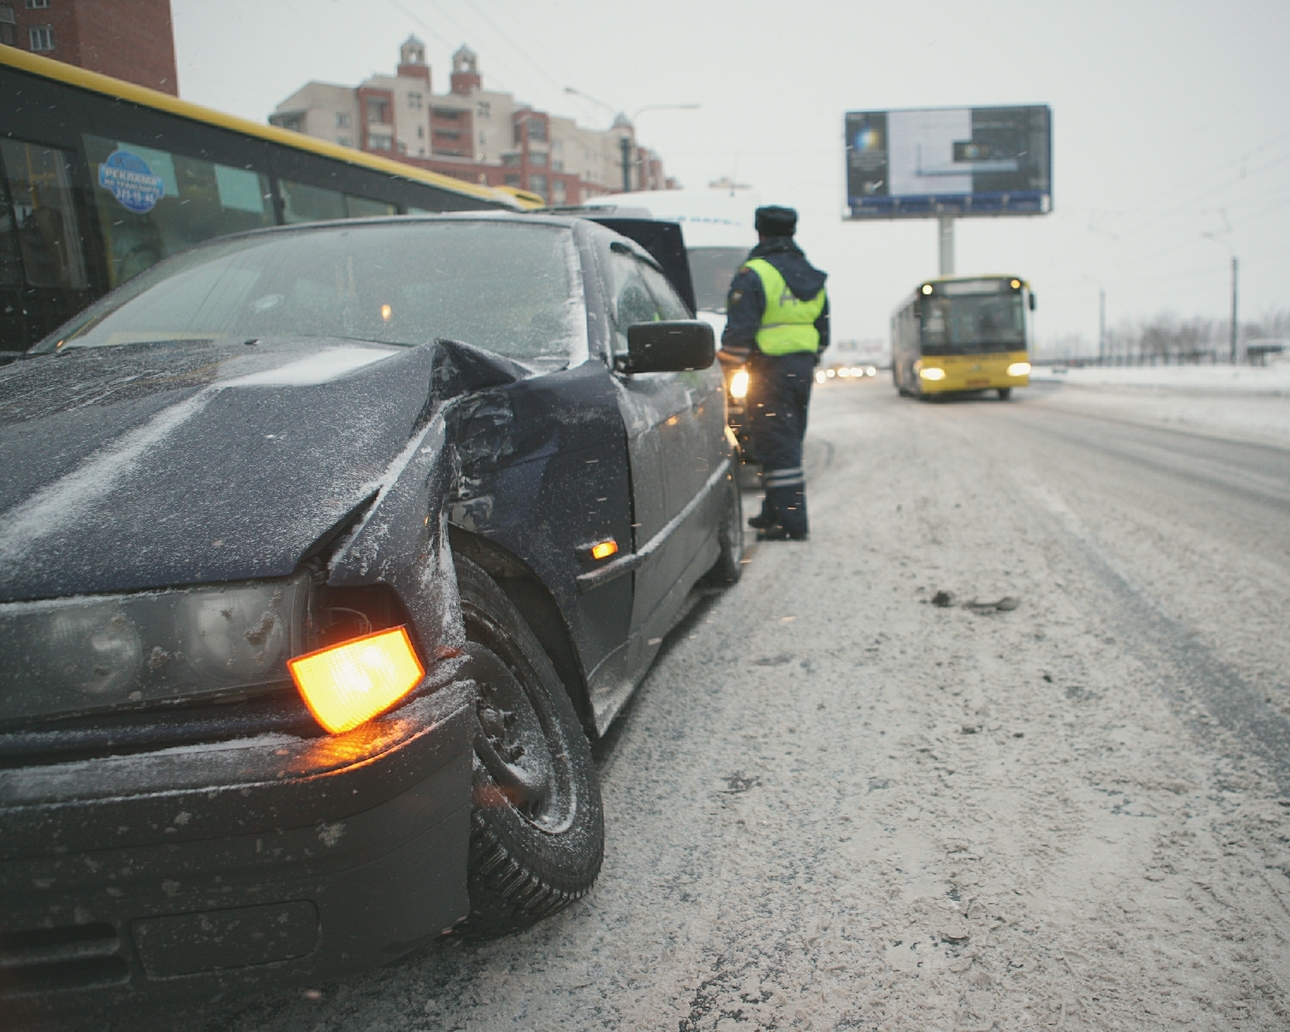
1005,393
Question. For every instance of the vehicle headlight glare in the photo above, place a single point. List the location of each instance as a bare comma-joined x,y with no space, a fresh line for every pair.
739,384
348,684
931,373
1019,369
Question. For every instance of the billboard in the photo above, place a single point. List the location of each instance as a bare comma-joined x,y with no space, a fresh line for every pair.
949,161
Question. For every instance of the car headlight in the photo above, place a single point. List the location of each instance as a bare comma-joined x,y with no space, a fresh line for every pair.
931,373
77,655
1019,369
739,385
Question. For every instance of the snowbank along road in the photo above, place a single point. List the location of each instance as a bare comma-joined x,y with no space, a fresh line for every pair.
1004,746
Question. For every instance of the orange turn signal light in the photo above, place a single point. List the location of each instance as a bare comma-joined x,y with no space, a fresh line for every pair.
604,549
345,685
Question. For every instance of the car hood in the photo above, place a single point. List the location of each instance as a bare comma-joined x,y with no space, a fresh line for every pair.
155,465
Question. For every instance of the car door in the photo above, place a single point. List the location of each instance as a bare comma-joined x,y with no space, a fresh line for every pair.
657,409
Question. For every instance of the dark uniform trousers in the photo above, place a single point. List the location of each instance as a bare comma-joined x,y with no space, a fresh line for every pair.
779,391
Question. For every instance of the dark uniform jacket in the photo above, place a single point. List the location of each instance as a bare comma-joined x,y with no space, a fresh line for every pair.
747,301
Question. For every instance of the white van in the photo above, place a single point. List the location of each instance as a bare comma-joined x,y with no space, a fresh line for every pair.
719,233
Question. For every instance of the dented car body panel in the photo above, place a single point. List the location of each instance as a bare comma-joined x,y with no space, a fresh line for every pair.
223,839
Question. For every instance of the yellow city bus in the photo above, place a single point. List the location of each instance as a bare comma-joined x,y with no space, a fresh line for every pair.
100,178
963,334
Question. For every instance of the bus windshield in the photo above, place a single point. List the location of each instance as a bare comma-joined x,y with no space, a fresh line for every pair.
498,285
712,269
973,324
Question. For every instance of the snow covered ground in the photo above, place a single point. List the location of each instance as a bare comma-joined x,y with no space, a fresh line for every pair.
1240,403
860,792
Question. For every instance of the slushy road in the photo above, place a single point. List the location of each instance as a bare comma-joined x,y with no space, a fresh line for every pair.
837,805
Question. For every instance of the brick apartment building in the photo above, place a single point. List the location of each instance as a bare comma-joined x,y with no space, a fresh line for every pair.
478,135
129,39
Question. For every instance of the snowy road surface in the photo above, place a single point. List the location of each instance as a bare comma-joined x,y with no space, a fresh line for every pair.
836,805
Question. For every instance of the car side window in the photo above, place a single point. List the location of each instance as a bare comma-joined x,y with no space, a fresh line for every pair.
670,304
633,302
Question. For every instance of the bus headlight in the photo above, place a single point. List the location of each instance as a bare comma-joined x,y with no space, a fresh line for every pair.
739,385
932,373
1019,369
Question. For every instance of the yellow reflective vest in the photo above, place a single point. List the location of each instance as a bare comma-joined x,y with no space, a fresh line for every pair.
788,323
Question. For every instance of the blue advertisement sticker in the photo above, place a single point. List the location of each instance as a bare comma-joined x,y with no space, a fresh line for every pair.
131,181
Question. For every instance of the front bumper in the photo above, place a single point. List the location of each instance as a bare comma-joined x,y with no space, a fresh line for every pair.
273,860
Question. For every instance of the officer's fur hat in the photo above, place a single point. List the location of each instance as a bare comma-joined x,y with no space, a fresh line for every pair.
775,221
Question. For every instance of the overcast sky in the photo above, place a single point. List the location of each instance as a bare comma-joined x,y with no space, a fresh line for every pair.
1171,120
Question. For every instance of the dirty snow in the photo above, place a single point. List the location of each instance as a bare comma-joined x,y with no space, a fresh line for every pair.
835,805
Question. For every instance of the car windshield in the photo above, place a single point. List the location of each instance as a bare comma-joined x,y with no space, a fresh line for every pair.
959,325
712,269
498,285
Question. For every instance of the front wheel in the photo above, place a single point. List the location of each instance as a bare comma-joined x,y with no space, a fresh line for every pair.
537,830
729,566
1005,393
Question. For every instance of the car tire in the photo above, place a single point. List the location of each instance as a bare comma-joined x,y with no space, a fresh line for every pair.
1005,393
537,829
729,566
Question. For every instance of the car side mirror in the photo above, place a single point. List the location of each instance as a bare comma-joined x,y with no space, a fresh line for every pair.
1032,302
668,347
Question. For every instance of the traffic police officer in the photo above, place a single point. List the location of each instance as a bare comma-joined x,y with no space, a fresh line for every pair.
777,323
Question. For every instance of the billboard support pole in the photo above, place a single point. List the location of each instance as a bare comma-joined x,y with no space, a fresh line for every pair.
947,244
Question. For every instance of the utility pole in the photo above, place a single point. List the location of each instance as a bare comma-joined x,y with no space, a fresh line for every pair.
625,145
1101,327
947,244
1234,327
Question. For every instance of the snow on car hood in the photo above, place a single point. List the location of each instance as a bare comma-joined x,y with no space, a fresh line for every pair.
167,464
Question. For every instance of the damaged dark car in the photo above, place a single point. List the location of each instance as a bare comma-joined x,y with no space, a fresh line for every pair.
325,552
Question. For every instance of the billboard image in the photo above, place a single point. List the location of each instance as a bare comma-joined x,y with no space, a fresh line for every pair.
949,161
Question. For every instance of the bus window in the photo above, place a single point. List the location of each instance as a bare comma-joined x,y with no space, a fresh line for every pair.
303,203
39,183
10,273
152,203
362,208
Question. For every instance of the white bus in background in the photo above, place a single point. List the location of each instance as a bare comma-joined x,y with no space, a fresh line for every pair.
719,232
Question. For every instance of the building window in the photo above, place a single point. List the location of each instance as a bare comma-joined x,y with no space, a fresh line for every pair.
378,111
342,119
558,192
414,100
484,109
37,5
510,159
295,121
8,26
421,132
538,184
380,141
557,165
537,158
41,37
537,130
446,114
344,141
512,180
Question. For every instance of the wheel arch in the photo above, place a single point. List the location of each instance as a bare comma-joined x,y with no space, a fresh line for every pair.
538,607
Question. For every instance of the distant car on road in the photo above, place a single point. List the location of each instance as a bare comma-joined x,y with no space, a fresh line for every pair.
325,549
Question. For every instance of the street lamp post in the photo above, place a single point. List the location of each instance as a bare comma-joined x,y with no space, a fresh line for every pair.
1233,330
626,142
